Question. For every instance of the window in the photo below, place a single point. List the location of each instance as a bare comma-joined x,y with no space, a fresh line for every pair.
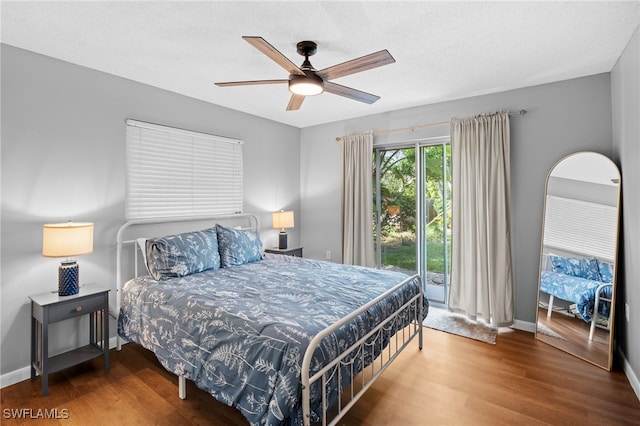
581,227
175,172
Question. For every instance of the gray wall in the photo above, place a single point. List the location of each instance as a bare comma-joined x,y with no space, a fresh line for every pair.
564,117
63,137
625,100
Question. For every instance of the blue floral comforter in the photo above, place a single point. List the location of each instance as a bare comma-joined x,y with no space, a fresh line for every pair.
580,291
241,332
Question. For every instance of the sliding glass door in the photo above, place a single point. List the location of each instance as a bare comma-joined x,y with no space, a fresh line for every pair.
412,214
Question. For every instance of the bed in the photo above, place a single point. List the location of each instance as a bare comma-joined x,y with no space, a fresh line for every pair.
285,340
587,282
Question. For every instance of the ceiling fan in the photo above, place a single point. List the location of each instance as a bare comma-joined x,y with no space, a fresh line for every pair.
306,80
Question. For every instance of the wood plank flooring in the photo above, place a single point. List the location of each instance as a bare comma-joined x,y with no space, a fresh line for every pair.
575,337
452,381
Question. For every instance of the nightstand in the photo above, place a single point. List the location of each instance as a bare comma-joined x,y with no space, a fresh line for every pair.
292,251
47,308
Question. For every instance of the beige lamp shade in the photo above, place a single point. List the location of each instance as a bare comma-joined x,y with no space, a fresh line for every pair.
67,239
282,219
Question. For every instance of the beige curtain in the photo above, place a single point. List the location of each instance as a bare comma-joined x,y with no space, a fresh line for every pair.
357,194
481,273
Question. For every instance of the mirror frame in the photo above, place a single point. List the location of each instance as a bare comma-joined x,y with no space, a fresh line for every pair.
559,344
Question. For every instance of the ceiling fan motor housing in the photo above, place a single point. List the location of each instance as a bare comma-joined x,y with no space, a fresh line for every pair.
307,48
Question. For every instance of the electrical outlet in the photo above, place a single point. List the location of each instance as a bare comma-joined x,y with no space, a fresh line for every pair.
328,255
626,311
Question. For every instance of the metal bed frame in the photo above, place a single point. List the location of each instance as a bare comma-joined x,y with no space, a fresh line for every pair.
384,333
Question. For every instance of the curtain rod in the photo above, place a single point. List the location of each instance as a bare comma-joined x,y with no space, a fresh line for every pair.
412,128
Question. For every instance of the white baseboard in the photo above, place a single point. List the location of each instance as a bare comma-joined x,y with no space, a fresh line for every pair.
24,373
631,375
15,376
524,326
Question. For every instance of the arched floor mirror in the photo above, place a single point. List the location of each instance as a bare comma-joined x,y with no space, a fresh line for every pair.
578,257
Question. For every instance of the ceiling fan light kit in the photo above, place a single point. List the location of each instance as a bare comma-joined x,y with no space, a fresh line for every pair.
307,81
306,85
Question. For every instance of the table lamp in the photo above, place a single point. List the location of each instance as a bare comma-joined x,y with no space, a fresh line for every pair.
66,240
282,220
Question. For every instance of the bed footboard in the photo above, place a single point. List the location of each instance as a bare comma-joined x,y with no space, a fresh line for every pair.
391,342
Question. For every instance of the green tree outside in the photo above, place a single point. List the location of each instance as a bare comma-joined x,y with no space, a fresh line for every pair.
398,206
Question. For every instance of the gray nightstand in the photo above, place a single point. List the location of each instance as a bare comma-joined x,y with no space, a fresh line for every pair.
47,308
292,251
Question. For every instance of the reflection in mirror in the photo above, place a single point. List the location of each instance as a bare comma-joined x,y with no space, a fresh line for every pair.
578,257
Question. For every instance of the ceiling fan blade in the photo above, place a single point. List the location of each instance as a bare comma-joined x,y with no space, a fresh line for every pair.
353,66
250,82
273,53
295,102
350,93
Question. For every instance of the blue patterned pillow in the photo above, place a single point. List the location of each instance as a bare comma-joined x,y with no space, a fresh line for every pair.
606,272
576,267
238,247
182,254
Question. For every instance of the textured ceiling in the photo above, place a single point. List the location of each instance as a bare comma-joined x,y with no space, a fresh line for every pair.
443,50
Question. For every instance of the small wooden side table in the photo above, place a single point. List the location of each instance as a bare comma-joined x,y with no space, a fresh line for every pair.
47,308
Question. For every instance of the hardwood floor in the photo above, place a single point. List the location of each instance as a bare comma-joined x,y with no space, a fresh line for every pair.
575,337
452,381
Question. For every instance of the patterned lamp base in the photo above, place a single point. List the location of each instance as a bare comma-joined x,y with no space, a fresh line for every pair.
282,240
68,273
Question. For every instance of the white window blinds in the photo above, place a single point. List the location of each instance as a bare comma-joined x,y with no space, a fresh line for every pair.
175,172
581,227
